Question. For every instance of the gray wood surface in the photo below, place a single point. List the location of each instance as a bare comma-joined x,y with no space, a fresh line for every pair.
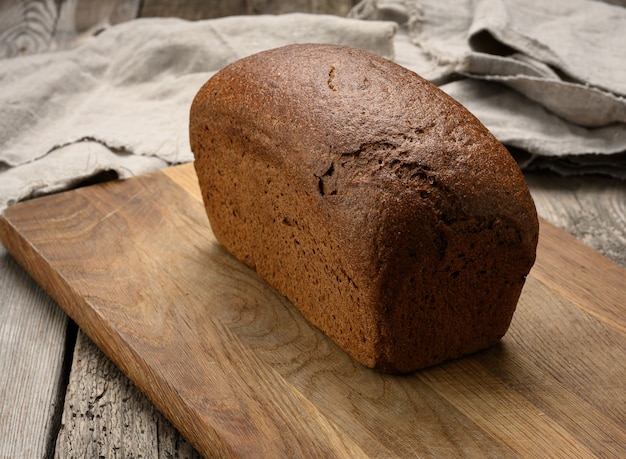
33,337
35,26
591,208
65,400
105,415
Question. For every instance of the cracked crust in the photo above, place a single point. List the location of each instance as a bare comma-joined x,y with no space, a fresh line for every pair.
378,205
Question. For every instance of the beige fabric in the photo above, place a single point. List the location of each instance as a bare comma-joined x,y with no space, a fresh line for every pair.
547,77
120,102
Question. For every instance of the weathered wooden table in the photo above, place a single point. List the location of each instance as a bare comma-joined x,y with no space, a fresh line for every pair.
230,378
61,396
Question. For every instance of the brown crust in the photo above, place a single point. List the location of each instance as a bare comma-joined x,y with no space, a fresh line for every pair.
384,210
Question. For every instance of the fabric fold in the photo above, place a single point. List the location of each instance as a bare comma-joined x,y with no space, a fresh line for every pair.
128,90
583,39
546,77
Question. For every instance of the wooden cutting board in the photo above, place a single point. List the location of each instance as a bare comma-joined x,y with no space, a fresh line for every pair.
239,372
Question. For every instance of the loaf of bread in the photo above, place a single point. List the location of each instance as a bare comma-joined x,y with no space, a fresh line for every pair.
378,205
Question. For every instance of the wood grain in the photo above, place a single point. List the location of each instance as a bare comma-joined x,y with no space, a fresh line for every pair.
193,9
36,26
33,333
27,27
229,361
105,415
590,208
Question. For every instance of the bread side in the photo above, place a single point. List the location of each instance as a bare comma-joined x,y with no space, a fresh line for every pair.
378,205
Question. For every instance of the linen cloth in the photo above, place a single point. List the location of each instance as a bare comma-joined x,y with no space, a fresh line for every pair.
547,78
120,101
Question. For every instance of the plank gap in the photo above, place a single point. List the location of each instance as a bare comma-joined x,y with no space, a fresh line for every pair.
56,422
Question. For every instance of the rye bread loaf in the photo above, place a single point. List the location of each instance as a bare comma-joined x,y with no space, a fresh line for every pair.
379,206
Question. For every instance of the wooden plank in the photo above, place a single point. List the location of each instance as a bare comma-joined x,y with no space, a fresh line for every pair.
36,26
100,400
575,351
203,9
581,285
105,415
26,27
192,10
32,363
590,208
189,387
93,15
230,362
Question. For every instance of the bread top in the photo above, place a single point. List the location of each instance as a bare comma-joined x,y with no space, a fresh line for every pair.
365,133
